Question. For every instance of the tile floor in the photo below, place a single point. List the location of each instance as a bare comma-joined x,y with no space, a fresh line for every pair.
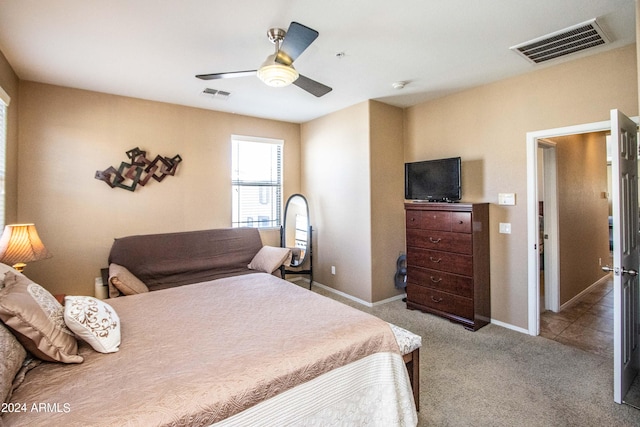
588,324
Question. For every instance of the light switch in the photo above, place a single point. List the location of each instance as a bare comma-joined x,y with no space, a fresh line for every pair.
505,227
507,199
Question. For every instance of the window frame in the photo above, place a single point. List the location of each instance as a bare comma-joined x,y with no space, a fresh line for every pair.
278,184
5,100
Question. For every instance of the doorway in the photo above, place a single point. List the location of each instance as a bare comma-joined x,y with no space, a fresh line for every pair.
624,196
540,143
574,206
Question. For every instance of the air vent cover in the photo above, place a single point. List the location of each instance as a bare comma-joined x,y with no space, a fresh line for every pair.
564,42
214,93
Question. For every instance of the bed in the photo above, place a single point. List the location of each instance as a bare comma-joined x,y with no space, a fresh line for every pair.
245,350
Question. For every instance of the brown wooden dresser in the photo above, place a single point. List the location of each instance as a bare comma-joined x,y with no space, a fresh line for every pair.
448,272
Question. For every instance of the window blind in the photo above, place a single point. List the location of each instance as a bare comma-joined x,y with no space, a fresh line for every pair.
256,182
3,150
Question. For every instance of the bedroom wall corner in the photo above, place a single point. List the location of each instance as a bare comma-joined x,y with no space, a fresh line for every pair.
335,179
387,196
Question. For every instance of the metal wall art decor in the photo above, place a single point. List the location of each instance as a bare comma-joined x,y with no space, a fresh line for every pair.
139,170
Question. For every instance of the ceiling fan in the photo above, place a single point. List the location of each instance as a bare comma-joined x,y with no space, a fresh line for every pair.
277,70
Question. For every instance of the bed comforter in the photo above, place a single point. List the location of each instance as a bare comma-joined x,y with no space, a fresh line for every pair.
249,349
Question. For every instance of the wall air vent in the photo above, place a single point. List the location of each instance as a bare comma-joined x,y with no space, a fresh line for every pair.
214,93
564,42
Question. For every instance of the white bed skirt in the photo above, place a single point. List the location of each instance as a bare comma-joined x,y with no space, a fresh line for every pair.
374,391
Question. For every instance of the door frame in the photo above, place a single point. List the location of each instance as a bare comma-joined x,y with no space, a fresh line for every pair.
533,140
551,219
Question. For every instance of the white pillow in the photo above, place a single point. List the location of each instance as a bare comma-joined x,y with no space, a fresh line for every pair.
94,321
269,258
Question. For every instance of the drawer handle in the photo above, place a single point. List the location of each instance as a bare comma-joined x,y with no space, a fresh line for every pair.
434,299
432,240
434,280
460,222
436,260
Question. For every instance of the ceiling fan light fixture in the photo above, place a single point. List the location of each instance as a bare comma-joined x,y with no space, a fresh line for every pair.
275,74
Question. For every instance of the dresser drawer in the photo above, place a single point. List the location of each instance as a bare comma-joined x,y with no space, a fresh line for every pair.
429,220
440,240
451,283
441,261
461,222
441,301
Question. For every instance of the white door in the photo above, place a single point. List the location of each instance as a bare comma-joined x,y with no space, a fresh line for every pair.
624,150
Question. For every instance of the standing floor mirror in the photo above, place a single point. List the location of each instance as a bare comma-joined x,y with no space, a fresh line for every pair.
296,234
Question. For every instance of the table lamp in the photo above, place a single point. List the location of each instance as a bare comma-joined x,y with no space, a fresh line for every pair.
20,244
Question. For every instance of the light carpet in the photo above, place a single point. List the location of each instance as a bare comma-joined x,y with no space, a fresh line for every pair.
499,377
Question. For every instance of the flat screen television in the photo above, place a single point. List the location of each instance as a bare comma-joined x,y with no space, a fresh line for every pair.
433,180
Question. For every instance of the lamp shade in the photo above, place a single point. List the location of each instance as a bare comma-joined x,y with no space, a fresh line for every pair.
276,74
20,243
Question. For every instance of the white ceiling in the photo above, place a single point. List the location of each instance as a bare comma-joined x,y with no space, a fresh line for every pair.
152,49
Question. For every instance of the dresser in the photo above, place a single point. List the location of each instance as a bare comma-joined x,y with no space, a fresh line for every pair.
448,271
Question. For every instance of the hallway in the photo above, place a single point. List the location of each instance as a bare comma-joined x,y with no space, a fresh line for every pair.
587,324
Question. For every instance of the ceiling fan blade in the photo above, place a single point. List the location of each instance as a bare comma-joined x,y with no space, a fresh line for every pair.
228,75
297,39
312,86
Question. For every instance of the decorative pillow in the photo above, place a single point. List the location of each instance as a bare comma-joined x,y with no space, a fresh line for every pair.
12,355
37,320
93,321
123,281
3,271
269,258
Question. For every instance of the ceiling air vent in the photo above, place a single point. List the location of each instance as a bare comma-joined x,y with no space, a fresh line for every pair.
214,93
564,42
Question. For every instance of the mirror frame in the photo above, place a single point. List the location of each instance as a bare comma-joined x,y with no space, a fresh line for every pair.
283,241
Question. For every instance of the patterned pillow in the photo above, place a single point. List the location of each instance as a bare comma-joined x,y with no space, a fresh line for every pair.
94,321
269,258
12,355
3,271
37,320
121,280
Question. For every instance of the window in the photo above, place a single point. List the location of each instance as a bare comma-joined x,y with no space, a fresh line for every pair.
4,103
256,182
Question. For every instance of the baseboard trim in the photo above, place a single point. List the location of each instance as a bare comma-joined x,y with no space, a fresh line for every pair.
397,297
577,298
384,301
510,326
347,296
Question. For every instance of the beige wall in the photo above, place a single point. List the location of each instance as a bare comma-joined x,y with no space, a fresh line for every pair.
67,134
387,196
582,211
9,83
353,173
335,180
487,127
